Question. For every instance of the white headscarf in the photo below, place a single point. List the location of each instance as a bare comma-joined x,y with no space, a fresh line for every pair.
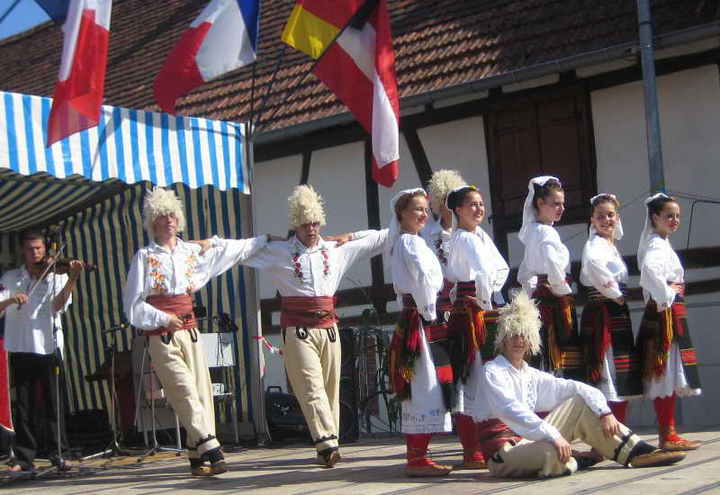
647,229
528,208
619,232
395,230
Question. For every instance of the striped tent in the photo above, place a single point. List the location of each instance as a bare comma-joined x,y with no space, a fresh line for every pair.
91,185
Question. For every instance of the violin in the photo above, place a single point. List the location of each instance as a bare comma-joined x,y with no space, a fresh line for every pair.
61,266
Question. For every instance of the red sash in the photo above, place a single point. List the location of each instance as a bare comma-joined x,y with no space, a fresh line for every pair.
308,312
493,434
179,305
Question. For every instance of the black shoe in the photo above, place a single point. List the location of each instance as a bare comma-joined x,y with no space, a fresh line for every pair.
217,460
329,457
584,462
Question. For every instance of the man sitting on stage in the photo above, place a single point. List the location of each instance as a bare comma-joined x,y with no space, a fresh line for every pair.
33,301
307,270
514,391
158,300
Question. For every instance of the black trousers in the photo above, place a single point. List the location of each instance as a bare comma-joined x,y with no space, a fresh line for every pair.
36,405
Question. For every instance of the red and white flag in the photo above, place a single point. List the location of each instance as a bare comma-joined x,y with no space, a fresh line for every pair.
222,38
79,92
358,65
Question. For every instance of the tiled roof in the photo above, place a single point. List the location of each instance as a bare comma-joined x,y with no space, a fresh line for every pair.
438,44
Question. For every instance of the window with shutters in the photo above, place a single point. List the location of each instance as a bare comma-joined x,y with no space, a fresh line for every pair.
548,132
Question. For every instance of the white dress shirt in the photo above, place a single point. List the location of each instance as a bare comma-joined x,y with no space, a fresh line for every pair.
416,271
602,267
321,266
513,395
545,254
660,266
155,270
437,239
474,256
29,328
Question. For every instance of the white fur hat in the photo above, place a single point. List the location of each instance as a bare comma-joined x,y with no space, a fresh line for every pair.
159,202
441,183
520,317
305,206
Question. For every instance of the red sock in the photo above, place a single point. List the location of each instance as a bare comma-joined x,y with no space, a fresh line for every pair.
619,410
467,430
417,444
665,410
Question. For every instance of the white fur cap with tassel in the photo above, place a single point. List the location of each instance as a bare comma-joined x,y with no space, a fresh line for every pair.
441,183
305,206
520,317
159,202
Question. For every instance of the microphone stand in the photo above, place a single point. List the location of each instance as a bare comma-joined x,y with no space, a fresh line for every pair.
112,448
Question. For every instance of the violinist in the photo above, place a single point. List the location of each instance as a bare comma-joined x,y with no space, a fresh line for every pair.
32,297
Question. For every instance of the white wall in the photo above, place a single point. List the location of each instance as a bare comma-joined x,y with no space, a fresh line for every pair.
338,174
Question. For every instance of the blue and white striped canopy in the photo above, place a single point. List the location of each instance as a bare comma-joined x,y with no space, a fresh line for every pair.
129,145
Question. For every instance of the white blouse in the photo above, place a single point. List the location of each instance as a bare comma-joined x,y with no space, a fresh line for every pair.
298,271
545,254
513,395
29,328
602,267
437,240
474,256
416,271
660,266
156,270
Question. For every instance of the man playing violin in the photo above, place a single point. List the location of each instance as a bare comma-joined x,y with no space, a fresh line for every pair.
32,298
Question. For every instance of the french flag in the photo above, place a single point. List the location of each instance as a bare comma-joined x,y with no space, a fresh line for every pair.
79,92
223,38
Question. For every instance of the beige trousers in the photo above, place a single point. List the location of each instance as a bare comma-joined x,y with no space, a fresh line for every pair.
575,421
312,361
182,368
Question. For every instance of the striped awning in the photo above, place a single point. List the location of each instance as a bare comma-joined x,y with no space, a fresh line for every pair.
127,145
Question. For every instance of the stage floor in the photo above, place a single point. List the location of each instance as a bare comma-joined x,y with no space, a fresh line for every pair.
368,467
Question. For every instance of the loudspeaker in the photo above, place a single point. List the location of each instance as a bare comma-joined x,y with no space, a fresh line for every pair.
349,399
284,416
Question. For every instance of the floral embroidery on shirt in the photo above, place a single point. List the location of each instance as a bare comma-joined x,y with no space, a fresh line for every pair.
190,268
158,284
158,279
297,268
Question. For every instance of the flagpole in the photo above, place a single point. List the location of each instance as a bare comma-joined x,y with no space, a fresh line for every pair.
252,297
357,19
254,73
263,102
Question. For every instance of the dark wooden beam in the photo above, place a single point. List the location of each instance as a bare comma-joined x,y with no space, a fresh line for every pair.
305,173
373,211
419,157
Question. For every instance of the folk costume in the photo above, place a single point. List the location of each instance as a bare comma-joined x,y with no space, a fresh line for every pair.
160,283
544,273
479,271
611,357
419,359
436,236
307,279
441,184
668,356
517,442
34,352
